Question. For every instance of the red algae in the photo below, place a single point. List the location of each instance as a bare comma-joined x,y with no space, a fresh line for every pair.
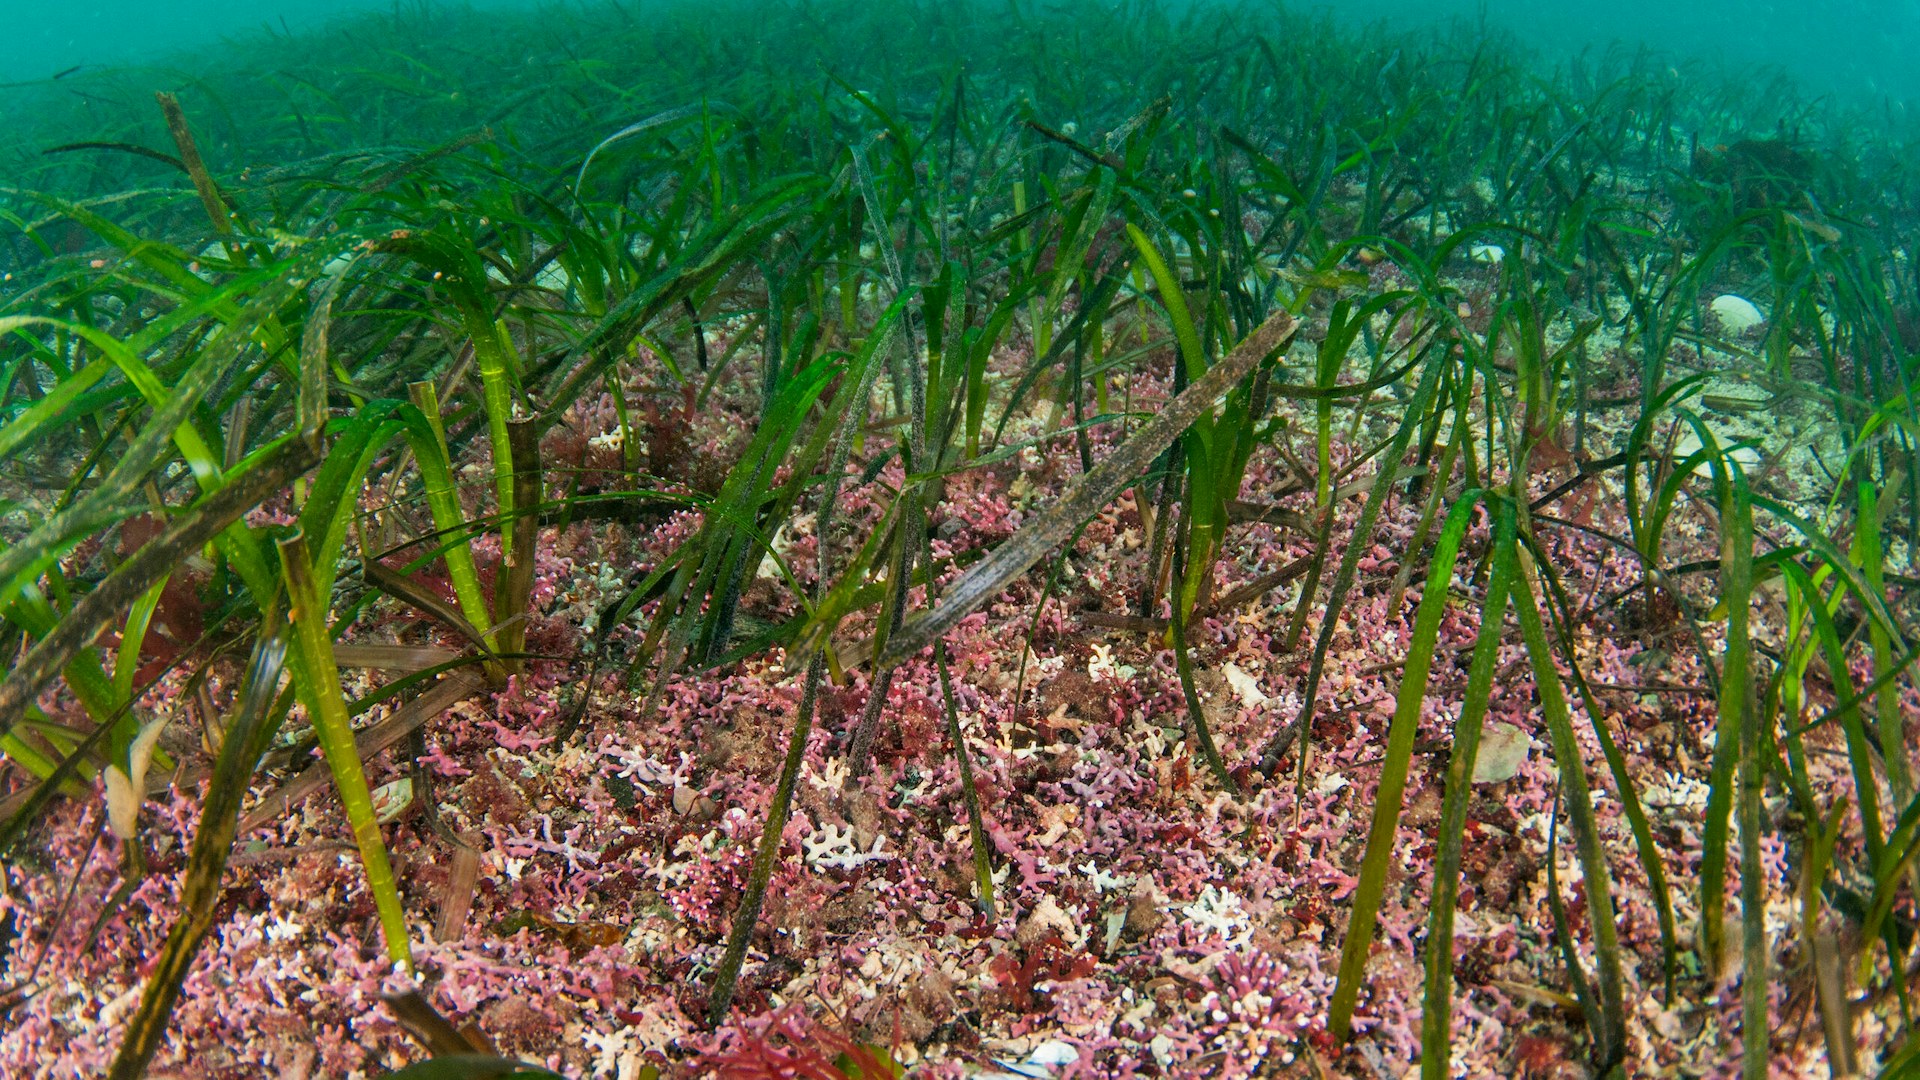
1146,920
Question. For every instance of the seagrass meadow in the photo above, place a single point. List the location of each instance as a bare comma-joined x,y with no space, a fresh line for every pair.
845,540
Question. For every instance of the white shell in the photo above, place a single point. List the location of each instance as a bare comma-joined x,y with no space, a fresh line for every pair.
1054,1052
390,800
1491,254
1503,749
1747,457
1736,314
126,791
1246,686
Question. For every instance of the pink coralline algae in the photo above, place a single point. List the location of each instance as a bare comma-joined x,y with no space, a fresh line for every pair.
1143,921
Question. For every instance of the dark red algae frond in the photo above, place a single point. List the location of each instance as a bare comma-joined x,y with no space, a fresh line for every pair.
790,1045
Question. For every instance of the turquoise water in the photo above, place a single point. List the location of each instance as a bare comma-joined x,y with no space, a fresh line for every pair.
1847,47
43,39
1850,48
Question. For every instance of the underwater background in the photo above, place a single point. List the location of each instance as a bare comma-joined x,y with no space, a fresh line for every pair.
801,537
1845,47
